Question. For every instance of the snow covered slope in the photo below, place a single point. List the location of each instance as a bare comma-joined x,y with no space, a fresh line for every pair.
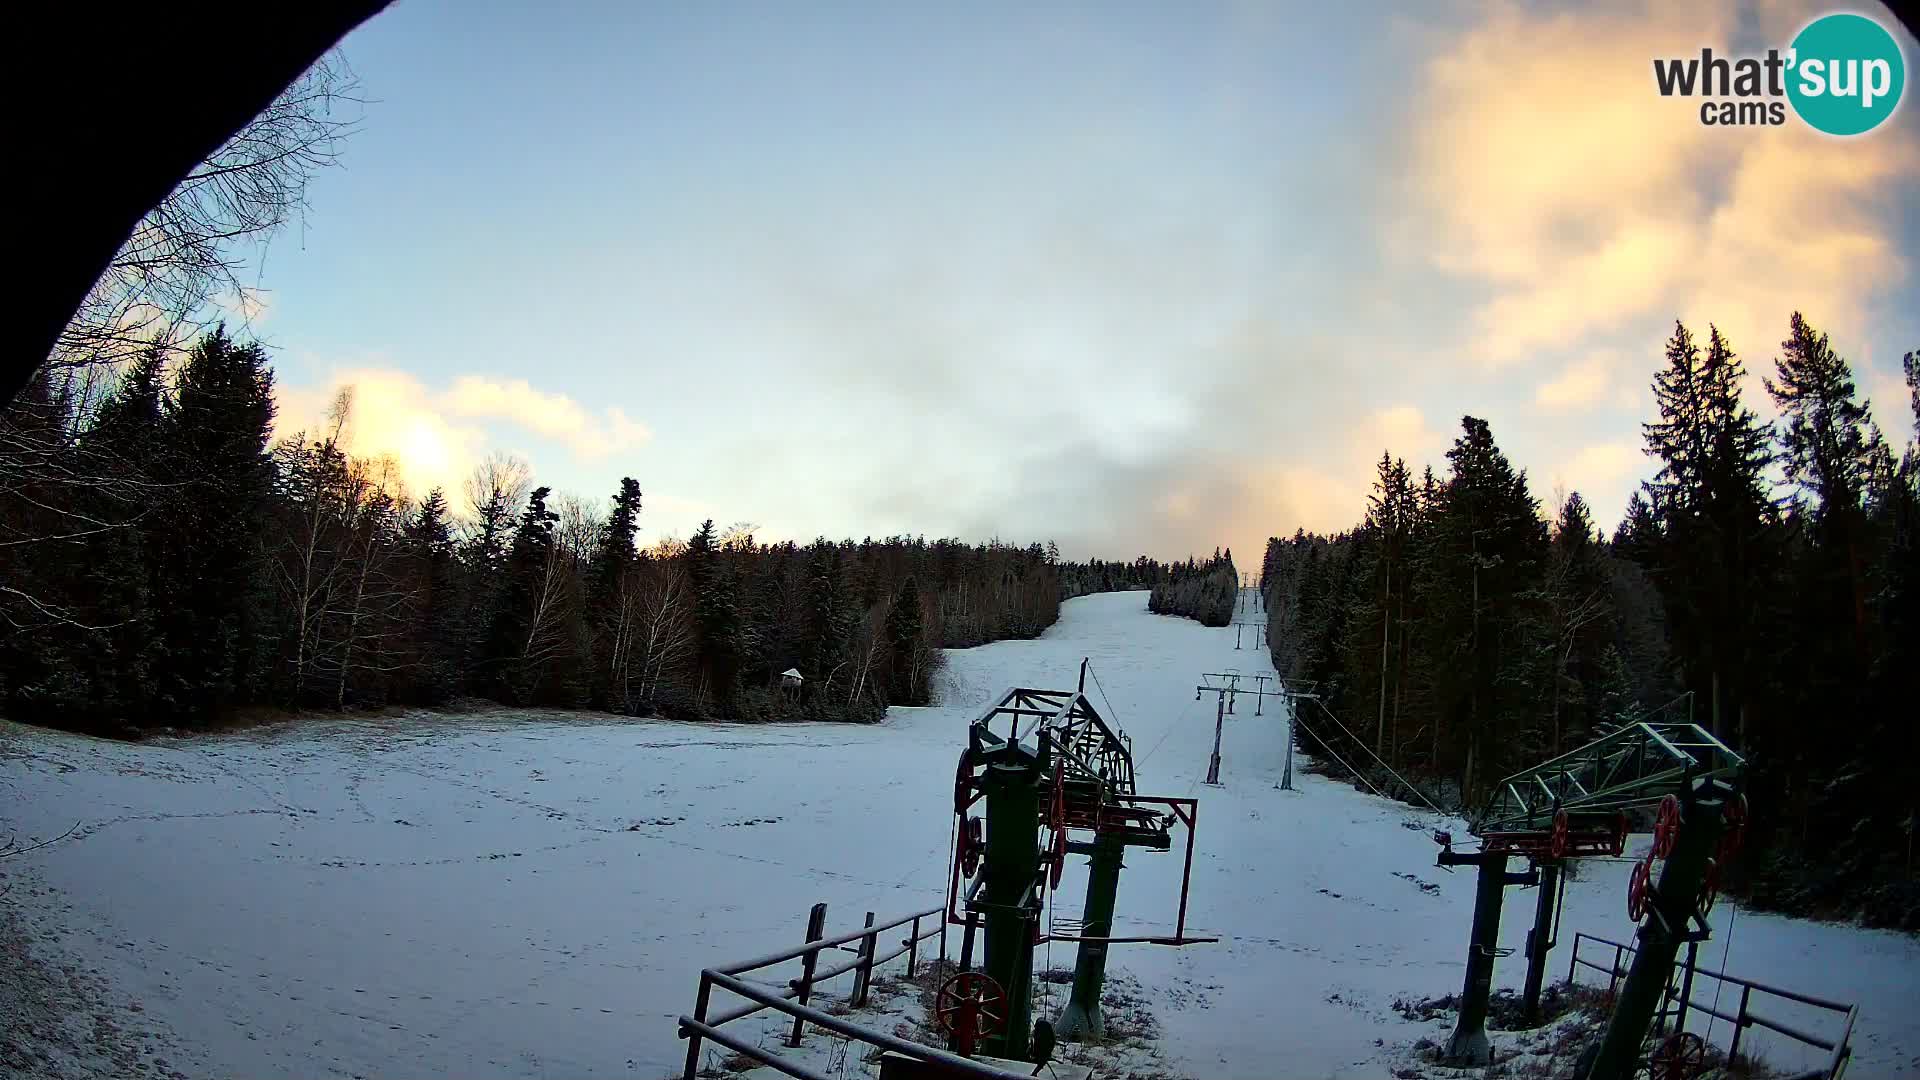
534,894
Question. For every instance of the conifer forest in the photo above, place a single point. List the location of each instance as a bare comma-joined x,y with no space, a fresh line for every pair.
1762,584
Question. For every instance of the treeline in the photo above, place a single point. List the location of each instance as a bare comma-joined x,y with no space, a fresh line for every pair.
1099,576
1203,591
164,562
1762,584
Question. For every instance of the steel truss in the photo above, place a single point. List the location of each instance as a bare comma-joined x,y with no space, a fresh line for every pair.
1638,765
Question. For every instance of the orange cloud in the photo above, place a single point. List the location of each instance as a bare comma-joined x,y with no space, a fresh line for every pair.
435,436
1600,377
1548,168
1602,467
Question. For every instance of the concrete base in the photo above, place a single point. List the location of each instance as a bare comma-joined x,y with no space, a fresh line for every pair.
1469,1049
895,1066
1076,1024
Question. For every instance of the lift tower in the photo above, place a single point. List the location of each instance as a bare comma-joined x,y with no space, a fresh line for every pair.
1055,779
1576,805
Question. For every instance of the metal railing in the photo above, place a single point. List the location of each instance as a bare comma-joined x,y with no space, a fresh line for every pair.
705,1026
1678,1001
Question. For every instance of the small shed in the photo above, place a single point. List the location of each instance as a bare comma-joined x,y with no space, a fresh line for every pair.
791,679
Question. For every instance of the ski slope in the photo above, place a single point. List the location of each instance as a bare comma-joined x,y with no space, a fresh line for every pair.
533,894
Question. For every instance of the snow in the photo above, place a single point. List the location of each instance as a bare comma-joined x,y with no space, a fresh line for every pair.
533,894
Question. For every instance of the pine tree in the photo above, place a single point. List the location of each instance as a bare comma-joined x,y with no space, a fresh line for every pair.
905,655
125,437
524,637
213,570
1710,498
716,616
610,581
829,617
1827,437
1490,532
437,633
1829,447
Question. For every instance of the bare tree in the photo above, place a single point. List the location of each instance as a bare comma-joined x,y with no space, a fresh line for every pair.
375,606
181,265
663,603
496,490
165,283
58,490
578,530
869,648
312,476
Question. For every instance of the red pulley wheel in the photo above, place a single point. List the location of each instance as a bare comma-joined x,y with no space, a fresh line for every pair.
971,846
963,784
1710,887
1733,820
1637,888
1561,836
969,1006
1057,858
1666,826
1681,1056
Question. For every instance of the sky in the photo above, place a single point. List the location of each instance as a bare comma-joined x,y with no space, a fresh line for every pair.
1131,277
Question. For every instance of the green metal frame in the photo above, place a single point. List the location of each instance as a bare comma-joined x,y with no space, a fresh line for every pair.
1055,762
1638,765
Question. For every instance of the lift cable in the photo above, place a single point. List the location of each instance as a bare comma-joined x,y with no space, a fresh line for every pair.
1111,711
1178,722
1357,774
1720,982
1403,780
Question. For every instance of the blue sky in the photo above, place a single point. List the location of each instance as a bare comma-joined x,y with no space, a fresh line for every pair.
1130,277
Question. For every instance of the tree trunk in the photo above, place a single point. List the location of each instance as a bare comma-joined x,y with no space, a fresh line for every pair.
1386,610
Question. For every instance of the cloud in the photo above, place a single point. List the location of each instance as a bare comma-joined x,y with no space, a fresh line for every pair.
555,416
1892,404
1602,467
438,436
1548,171
1599,377
248,306
393,414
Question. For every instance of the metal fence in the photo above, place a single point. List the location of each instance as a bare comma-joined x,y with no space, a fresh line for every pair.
791,999
1678,1001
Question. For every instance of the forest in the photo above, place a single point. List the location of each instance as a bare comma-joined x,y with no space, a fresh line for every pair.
1762,585
1205,592
168,562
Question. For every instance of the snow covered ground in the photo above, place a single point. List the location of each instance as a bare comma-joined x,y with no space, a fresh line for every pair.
533,895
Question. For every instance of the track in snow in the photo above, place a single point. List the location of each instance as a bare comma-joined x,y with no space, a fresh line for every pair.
534,895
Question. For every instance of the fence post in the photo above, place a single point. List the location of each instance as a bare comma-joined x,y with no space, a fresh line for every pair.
863,975
943,936
1574,960
693,1037
816,929
913,946
1613,977
1739,1022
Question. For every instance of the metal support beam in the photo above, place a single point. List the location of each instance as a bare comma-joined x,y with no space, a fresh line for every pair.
1081,1018
1469,1046
1661,934
1286,771
1540,939
1219,720
1012,781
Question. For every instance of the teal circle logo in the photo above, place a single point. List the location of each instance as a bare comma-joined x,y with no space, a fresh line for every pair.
1847,74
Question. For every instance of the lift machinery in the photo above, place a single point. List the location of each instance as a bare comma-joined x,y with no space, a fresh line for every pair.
1577,805
1053,778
